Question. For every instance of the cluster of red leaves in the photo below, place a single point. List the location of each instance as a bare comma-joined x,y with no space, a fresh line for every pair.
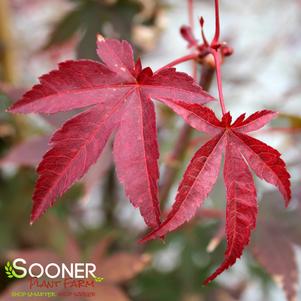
118,93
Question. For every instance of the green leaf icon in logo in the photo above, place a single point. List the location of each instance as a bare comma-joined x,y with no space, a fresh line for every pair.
10,272
98,279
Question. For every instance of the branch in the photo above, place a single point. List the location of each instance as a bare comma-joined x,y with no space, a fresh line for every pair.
109,197
219,80
6,45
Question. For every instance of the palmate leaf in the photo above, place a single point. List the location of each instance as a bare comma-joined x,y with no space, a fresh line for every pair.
118,93
241,152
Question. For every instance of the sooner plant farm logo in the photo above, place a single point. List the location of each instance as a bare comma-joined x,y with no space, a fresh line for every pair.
54,279
19,269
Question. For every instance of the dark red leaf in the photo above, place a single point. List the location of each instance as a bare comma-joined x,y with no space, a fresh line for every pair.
202,171
75,147
253,122
76,84
266,163
136,154
241,205
117,56
120,91
198,180
174,86
199,117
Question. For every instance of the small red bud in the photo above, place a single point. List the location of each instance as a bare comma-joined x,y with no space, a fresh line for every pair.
187,34
202,22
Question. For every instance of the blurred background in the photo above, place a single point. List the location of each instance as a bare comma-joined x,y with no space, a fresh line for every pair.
94,221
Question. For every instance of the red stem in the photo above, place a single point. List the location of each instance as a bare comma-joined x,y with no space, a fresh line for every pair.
219,79
217,24
191,24
178,61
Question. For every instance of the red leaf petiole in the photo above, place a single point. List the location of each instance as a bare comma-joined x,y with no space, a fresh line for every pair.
180,60
219,79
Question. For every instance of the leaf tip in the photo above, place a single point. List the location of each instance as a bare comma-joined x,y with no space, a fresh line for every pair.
144,239
15,109
287,202
33,219
275,113
11,109
151,236
207,281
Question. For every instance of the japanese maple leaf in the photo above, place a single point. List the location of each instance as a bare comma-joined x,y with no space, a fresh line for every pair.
118,95
241,152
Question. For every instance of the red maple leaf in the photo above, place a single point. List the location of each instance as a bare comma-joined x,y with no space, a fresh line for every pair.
120,92
241,152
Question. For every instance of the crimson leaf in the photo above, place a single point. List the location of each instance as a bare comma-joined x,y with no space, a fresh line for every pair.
202,172
120,94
